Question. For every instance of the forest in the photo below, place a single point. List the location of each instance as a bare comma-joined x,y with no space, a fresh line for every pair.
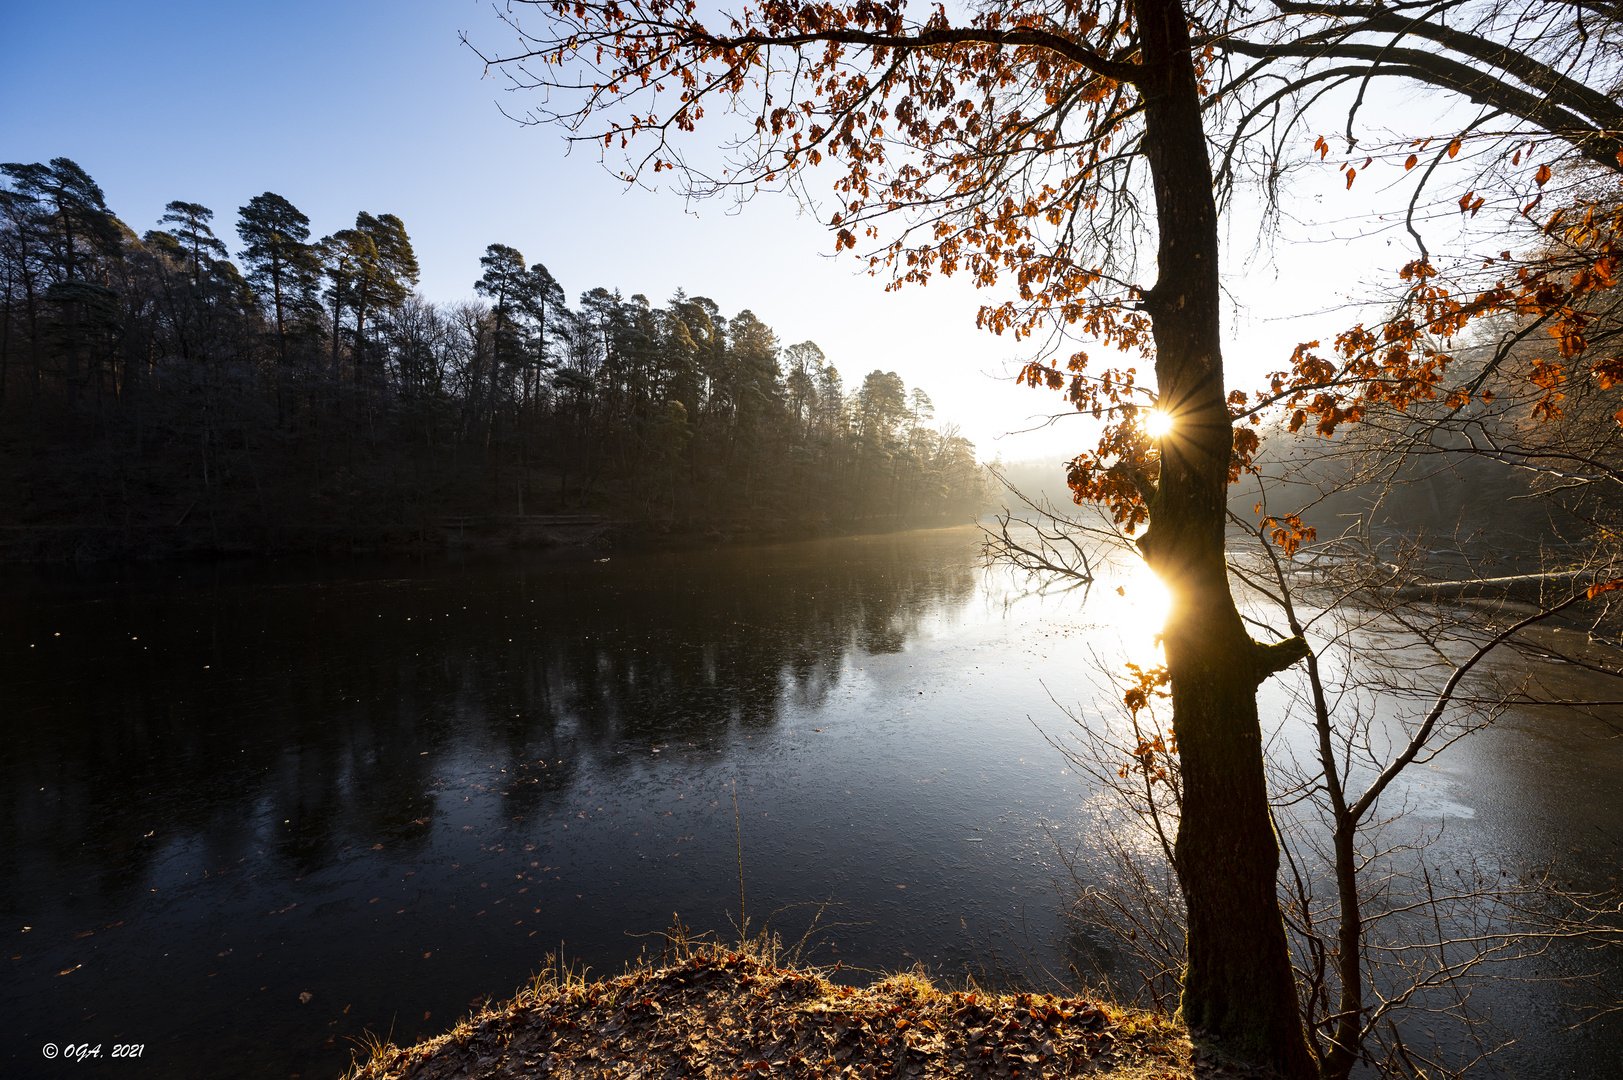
158,398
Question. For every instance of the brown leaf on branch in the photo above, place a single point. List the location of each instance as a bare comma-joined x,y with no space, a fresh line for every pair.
1602,587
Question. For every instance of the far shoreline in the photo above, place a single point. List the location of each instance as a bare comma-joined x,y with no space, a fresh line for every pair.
565,535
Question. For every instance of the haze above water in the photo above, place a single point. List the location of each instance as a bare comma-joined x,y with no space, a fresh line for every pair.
394,788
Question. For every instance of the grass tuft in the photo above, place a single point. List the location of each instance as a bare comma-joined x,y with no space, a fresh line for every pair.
703,1007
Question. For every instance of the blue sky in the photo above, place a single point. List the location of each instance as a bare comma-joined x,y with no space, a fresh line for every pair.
355,105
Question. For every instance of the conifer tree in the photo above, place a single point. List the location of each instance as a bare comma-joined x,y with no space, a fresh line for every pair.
396,273
506,283
372,268
280,260
804,360
548,309
881,404
345,256
387,277
69,215
195,235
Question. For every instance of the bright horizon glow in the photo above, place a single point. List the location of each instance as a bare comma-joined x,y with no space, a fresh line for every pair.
1157,423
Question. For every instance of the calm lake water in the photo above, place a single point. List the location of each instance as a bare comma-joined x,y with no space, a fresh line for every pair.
251,812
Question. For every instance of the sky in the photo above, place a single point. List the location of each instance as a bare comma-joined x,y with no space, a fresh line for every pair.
349,105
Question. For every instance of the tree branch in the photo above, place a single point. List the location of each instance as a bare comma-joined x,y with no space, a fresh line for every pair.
1596,142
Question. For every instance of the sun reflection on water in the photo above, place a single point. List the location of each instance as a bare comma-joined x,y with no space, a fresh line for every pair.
1139,605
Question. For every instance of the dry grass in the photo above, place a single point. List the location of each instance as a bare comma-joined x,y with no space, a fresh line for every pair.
715,1012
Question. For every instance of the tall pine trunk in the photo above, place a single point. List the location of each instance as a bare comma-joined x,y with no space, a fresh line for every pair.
1238,988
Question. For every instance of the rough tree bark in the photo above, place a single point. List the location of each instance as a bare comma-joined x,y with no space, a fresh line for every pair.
1239,988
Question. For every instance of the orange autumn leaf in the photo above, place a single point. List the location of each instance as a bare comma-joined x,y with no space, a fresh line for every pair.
1289,533
1605,587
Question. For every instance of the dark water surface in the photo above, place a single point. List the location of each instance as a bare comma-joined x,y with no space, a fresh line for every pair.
395,788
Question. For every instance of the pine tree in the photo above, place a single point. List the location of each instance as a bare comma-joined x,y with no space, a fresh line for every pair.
372,268
396,275
548,310
193,231
800,384
881,403
344,257
280,260
505,283
69,216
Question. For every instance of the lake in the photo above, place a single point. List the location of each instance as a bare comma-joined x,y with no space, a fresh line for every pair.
253,811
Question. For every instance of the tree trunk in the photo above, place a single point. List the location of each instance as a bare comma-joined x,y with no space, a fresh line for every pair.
5,345
281,327
1238,988
1348,1040
337,311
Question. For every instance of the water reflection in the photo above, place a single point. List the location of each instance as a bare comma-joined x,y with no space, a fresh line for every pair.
235,762
320,710
394,790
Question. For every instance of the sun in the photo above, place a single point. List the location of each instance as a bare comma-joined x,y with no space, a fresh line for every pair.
1157,423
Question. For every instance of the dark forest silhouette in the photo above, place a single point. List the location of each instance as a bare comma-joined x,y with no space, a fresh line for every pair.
155,398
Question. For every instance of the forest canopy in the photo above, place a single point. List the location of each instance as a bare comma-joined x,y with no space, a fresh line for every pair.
308,395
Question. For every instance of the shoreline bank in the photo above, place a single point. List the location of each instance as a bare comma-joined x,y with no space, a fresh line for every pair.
714,1012
57,545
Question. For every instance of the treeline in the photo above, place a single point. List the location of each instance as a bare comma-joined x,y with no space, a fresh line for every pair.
156,395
